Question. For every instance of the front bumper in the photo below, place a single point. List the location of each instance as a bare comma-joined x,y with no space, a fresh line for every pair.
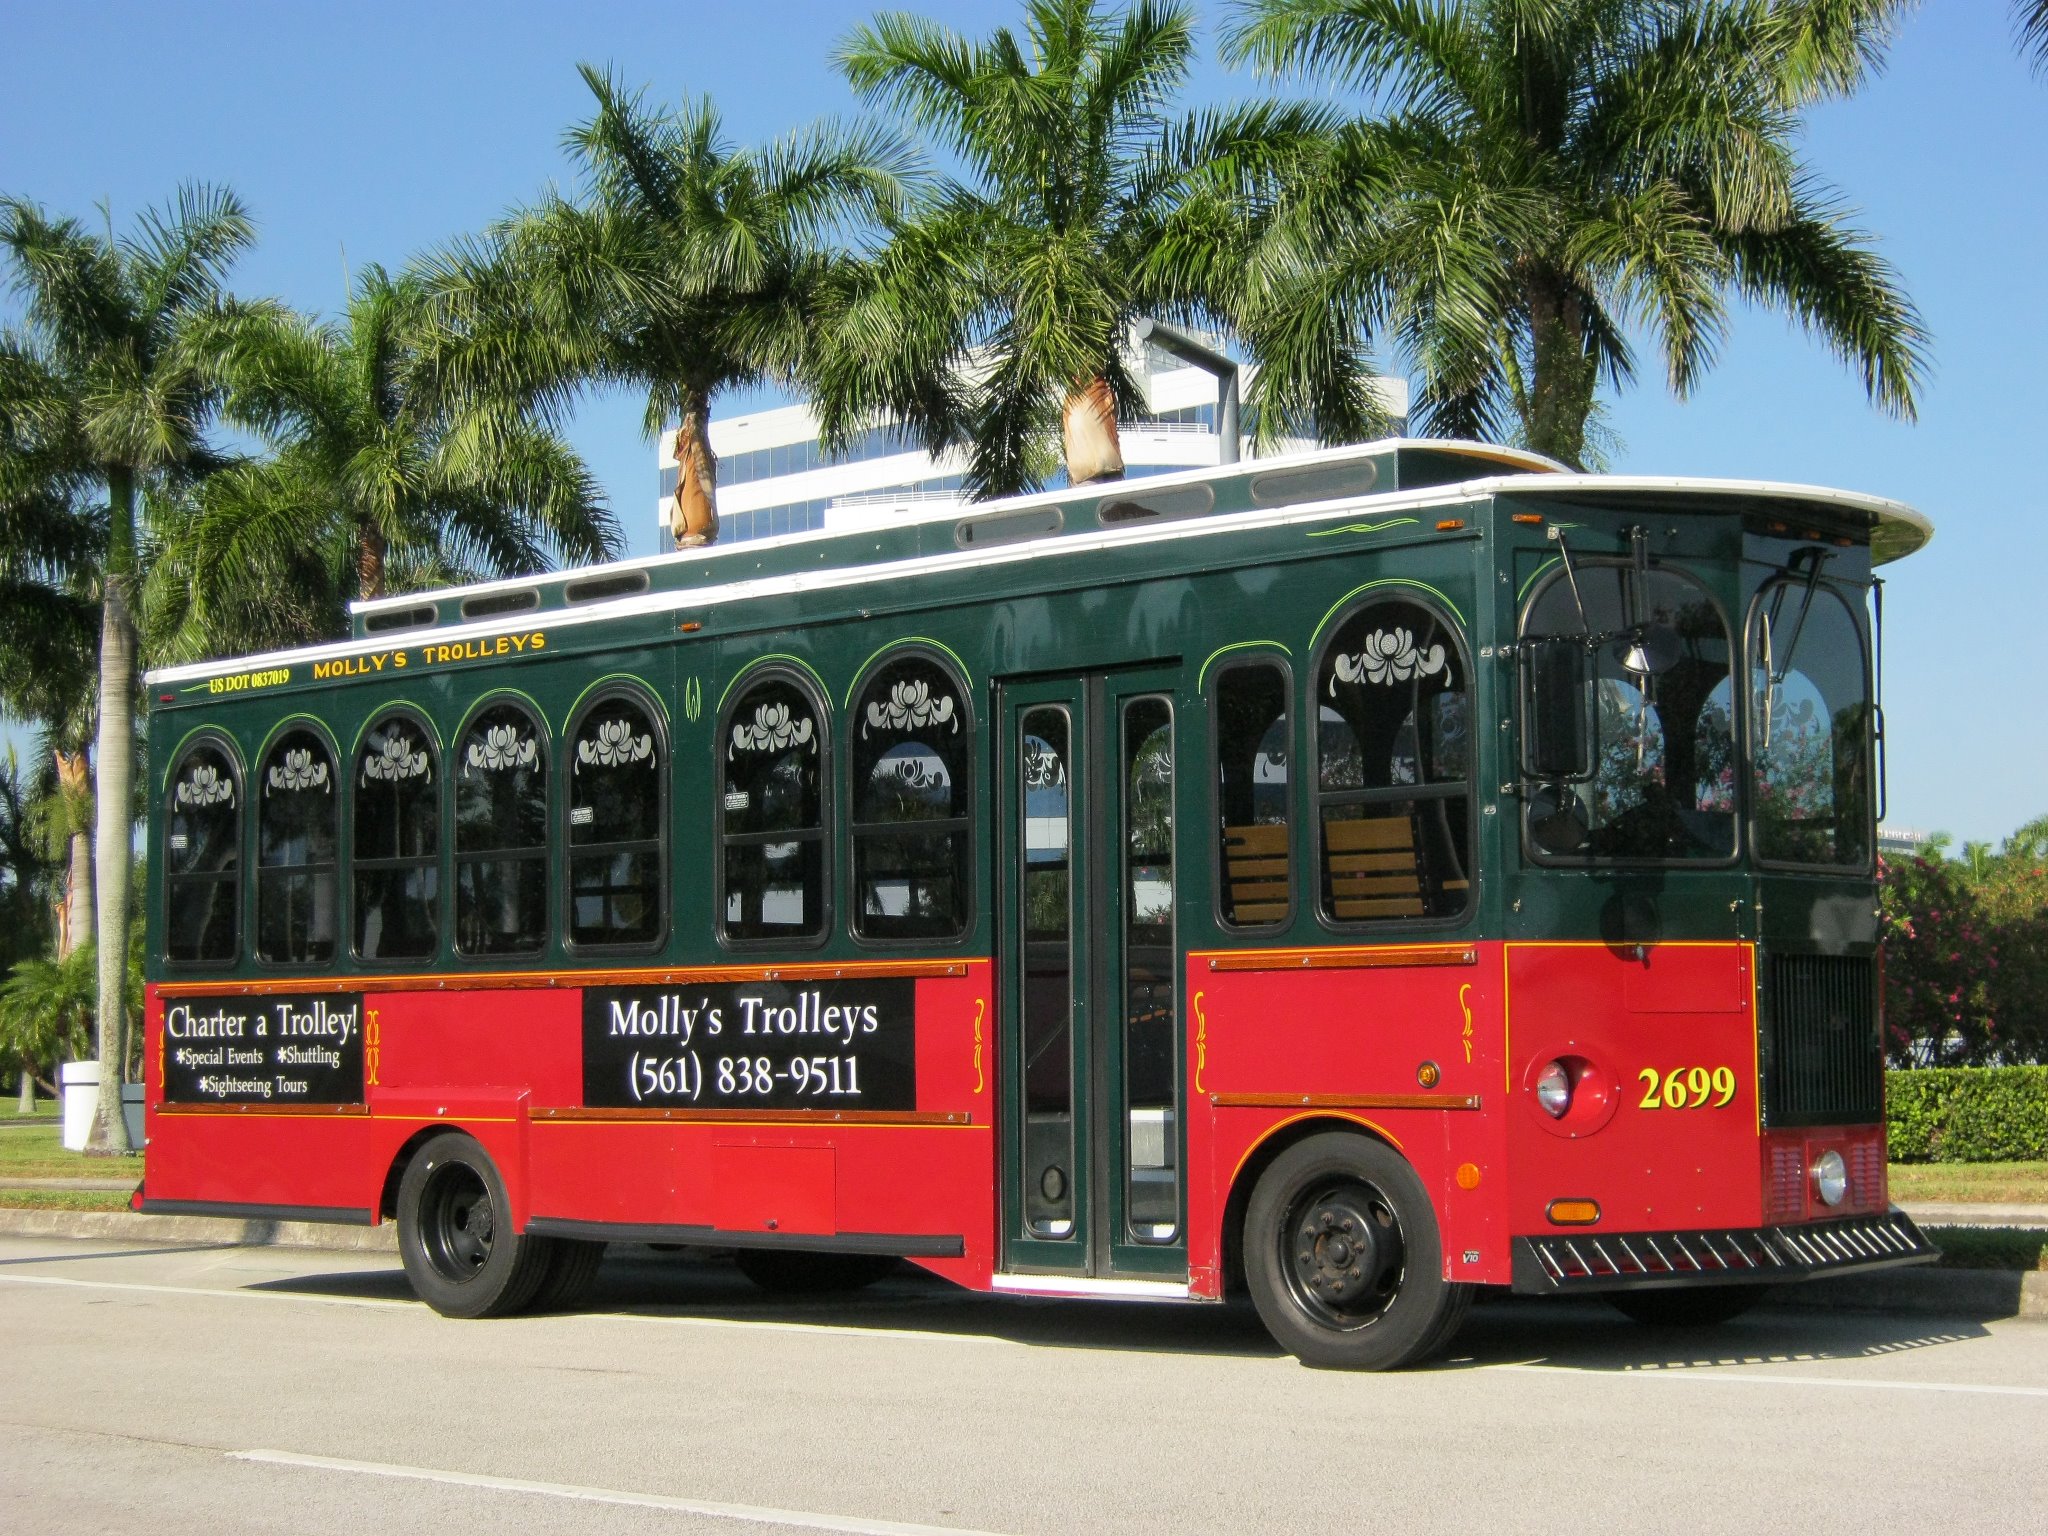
1585,1260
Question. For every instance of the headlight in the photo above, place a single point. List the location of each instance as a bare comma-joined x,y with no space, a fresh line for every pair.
1830,1177
1554,1091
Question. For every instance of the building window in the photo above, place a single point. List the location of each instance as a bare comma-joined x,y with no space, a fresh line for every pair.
396,869
203,857
912,802
1249,725
772,813
297,873
617,816
1393,767
501,834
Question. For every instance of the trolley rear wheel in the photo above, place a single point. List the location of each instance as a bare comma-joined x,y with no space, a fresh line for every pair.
455,1233
1344,1260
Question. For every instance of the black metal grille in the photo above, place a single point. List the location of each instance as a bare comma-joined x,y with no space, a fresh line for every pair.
1823,1060
1586,1261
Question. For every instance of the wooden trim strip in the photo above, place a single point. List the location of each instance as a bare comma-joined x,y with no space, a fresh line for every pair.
1344,1101
1343,959
336,1215
682,975
570,1115
315,1110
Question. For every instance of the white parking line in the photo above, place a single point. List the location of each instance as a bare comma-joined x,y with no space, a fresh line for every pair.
761,1324
757,1514
1713,1374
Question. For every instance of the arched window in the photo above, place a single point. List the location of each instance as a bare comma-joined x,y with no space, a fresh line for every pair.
501,834
397,842
617,815
203,857
913,802
1809,728
297,816
1248,726
772,813
1393,763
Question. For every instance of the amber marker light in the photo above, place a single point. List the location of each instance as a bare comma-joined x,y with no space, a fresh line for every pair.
1468,1175
1450,525
690,627
1428,1074
1533,519
1574,1213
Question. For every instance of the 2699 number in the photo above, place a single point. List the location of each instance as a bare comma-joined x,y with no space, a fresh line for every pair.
1687,1088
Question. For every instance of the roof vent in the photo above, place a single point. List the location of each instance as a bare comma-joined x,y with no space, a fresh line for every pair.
399,618
1314,482
595,589
495,603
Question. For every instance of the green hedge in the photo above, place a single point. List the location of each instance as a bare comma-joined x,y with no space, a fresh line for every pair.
1967,1114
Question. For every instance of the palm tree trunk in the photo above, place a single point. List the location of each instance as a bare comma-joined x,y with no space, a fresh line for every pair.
370,551
25,1102
114,840
74,788
1562,376
693,520
1089,436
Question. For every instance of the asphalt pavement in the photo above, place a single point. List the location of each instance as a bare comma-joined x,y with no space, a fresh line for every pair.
227,1389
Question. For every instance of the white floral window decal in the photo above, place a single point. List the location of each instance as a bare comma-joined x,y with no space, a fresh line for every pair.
300,771
612,744
1389,656
1043,767
773,730
910,706
503,747
395,760
205,785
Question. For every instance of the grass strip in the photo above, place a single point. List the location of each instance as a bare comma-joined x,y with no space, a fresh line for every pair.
63,1199
2008,1248
1971,1183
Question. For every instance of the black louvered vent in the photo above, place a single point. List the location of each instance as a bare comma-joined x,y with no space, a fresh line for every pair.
1823,1060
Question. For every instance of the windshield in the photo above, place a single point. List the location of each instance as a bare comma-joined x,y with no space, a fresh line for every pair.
1809,727
1663,781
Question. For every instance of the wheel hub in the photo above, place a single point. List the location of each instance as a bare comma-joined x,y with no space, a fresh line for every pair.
1345,1251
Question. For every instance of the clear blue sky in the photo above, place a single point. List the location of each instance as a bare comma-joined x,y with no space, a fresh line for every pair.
366,132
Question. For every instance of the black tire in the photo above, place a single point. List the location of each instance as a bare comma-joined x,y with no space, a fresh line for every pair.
1690,1306
787,1273
456,1237
1344,1260
571,1270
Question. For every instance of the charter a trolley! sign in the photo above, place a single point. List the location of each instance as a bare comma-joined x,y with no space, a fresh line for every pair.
295,1049
838,1044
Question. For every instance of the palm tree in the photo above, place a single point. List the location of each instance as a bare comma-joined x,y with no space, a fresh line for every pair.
107,364
1000,311
368,489
25,876
688,267
1551,174
2033,20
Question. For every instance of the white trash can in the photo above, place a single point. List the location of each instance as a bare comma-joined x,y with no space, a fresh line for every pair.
79,1082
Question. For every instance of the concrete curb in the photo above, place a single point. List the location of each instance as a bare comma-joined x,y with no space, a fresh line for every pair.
1982,1295
134,1227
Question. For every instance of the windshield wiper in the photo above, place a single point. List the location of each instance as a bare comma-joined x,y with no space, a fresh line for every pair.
1815,566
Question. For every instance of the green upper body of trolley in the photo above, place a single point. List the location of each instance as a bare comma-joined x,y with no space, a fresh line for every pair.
1721,785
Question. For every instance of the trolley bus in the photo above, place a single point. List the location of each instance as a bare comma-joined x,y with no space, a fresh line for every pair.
1357,878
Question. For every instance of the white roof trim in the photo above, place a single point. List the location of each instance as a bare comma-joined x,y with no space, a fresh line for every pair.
835,578
1485,452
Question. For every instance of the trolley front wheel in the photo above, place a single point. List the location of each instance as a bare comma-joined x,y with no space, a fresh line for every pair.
1344,1260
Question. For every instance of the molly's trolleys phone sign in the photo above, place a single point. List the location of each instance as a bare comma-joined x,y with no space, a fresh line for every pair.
839,1044
275,1049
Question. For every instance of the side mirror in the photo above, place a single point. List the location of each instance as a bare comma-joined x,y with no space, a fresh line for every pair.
1557,734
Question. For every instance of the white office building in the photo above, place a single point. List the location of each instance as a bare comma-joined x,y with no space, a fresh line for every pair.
773,479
